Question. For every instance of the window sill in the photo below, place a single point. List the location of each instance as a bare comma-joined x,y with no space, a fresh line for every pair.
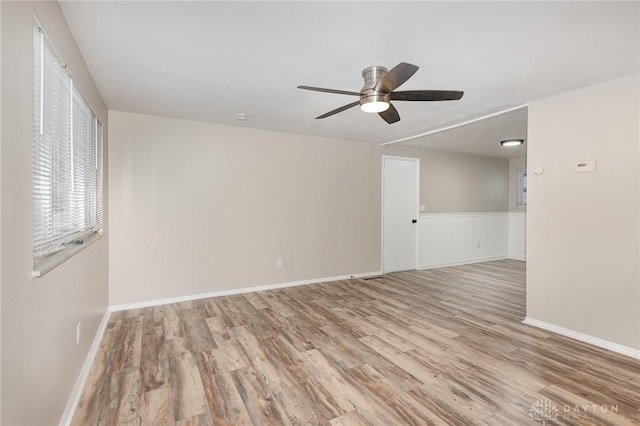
46,264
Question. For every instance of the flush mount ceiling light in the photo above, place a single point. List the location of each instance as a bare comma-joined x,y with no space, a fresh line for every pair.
374,104
512,142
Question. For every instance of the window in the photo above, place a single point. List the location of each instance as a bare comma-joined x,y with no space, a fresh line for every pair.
522,188
67,161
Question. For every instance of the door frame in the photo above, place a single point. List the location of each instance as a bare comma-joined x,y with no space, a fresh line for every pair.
382,205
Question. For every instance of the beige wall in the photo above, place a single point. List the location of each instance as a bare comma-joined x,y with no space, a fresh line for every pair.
40,358
583,228
514,165
459,183
199,207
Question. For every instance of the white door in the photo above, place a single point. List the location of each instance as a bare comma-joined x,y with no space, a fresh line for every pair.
400,189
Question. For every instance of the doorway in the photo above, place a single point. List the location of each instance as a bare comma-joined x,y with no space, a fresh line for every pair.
400,209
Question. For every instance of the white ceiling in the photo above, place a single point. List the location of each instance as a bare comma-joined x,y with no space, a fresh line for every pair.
482,137
209,61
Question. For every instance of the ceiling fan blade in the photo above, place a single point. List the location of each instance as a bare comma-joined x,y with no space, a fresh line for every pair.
337,110
396,77
321,89
391,115
427,95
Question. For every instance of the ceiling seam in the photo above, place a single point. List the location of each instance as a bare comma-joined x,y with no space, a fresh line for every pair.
455,126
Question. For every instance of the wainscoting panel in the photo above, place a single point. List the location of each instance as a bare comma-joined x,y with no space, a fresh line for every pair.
517,230
457,238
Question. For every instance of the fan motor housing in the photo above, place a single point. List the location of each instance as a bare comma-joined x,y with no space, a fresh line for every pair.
371,77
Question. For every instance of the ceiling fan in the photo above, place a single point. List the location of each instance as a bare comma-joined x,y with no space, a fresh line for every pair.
378,92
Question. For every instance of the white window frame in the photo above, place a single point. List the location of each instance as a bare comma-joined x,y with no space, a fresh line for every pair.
68,162
522,188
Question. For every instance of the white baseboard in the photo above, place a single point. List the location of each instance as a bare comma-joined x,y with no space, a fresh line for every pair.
74,398
595,341
234,291
466,262
524,259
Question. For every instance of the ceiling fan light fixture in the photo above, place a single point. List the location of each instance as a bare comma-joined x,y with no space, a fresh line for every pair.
379,90
511,142
374,106
371,101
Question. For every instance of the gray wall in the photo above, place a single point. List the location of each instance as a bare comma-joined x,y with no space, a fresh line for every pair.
198,207
459,183
582,228
40,357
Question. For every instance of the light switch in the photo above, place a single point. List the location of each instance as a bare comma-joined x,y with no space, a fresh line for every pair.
423,208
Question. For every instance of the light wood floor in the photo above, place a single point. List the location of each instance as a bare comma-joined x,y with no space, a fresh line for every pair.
443,346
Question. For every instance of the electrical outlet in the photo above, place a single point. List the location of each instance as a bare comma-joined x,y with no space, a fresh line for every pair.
278,263
78,332
478,245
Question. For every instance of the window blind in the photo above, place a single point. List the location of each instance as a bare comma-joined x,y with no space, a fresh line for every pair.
67,156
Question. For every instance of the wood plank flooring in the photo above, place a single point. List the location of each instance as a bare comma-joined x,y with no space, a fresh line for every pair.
442,346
